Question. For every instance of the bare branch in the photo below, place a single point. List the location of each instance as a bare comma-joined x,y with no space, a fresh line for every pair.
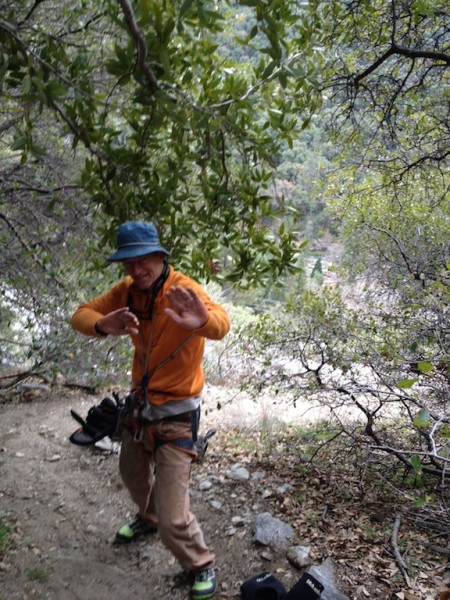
409,53
24,245
373,67
10,123
398,557
410,452
31,11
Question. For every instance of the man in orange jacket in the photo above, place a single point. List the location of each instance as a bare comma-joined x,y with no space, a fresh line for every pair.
168,317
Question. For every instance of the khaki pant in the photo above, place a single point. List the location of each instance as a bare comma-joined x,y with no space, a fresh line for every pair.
158,481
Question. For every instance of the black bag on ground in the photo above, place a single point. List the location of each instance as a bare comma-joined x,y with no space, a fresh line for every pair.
102,420
306,588
263,587
267,587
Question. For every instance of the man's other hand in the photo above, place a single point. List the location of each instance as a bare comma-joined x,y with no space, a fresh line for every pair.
118,322
188,310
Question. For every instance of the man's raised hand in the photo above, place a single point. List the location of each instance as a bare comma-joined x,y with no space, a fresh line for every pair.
118,322
188,310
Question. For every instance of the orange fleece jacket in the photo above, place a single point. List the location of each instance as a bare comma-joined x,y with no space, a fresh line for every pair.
182,377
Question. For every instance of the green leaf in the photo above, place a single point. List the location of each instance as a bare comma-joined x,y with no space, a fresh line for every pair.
186,7
253,32
445,431
269,69
20,141
407,383
144,10
37,151
420,501
26,84
425,367
54,89
422,419
3,68
115,67
39,88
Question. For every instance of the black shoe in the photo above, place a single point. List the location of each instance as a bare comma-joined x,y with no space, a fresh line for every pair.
131,531
204,584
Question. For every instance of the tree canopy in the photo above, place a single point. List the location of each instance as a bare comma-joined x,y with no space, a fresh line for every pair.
376,340
167,125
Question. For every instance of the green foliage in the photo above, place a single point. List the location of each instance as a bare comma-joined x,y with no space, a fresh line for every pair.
389,77
167,121
6,531
422,419
130,110
39,574
406,383
345,354
398,240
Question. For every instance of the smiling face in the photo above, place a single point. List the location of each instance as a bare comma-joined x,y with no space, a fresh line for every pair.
144,270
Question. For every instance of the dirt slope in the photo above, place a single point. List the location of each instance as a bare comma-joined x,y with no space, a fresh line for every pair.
65,504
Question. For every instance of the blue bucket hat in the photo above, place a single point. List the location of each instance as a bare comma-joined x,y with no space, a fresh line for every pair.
134,239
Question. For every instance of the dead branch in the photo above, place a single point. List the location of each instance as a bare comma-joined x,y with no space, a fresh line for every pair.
398,557
81,386
14,379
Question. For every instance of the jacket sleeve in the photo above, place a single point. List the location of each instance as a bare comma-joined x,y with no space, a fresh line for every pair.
87,314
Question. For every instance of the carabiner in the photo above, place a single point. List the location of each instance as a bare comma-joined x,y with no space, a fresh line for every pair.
138,434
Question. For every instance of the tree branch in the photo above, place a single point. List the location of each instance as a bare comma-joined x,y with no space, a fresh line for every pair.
23,244
141,46
373,67
10,123
31,11
436,56
398,557
395,49
390,450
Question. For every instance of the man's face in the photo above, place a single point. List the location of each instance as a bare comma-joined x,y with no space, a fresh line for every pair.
144,269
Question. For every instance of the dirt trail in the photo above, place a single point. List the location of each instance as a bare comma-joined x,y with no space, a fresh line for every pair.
68,502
